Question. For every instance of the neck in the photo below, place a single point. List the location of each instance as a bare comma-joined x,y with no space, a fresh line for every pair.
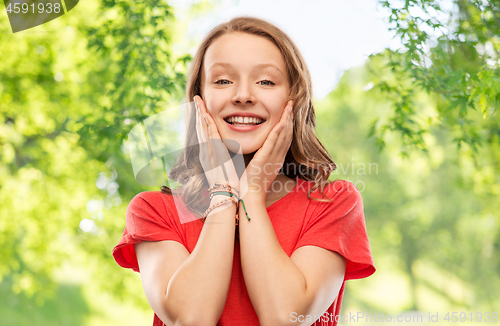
248,158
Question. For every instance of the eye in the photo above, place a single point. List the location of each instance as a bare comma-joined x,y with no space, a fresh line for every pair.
267,81
222,80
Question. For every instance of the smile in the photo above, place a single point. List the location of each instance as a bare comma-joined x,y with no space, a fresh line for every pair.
237,120
241,127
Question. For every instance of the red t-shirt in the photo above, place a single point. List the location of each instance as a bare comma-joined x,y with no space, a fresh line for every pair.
297,220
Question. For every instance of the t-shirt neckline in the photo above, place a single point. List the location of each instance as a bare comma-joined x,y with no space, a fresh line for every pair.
286,196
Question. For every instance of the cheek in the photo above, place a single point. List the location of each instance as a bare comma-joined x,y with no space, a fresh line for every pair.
275,103
209,101
215,102
276,113
211,107
214,107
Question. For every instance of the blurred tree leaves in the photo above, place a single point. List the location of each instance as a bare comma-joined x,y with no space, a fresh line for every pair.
433,210
133,43
69,94
450,56
452,53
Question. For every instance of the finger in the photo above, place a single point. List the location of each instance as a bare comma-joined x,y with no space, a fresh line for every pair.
289,135
201,106
220,153
203,130
211,125
290,123
270,143
219,149
283,125
291,129
285,116
199,126
283,120
200,110
284,132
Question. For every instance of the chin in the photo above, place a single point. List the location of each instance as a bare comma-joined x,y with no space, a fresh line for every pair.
247,148
246,152
234,146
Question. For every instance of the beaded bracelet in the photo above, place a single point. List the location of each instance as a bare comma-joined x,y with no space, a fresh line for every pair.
232,196
226,190
211,208
220,187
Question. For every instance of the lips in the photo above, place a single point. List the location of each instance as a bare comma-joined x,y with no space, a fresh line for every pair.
244,121
246,128
244,114
235,120
244,118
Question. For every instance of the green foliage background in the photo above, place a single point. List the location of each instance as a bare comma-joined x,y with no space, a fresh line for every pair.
416,129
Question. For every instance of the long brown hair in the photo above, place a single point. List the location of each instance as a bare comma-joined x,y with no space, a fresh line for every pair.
306,158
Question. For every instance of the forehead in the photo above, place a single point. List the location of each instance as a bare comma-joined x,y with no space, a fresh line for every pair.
243,50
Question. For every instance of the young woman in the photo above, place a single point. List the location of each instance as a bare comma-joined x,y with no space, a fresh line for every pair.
297,237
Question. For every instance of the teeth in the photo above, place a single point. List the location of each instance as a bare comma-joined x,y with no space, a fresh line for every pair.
246,120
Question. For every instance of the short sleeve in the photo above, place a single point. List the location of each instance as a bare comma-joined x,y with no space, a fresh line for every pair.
147,219
340,226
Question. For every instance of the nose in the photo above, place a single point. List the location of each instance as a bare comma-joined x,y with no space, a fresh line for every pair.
243,94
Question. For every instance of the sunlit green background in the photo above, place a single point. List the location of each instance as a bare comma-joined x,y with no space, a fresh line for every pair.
416,129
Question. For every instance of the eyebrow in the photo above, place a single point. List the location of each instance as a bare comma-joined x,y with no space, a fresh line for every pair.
259,66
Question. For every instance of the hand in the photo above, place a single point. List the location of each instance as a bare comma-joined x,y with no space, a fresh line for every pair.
214,156
268,160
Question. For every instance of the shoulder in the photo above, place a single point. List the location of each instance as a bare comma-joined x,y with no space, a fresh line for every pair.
148,218
150,203
151,198
344,188
341,201
337,189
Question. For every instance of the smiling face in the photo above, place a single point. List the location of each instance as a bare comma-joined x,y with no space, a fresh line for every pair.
244,75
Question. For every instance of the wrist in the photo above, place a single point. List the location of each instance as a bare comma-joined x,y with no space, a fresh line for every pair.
219,198
254,197
220,203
